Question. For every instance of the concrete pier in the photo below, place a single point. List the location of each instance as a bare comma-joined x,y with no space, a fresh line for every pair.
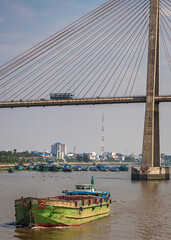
151,173
151,163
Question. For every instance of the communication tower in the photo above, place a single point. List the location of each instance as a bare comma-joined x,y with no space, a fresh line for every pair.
102,140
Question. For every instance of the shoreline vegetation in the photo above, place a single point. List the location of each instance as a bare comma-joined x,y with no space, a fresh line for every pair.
8,165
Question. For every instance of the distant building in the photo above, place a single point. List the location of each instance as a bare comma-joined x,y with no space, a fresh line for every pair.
112,155
58,150
70,155
92,156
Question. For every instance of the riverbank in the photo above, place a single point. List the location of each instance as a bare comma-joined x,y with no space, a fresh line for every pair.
7,165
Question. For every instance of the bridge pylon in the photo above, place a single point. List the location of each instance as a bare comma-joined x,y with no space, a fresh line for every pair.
151,162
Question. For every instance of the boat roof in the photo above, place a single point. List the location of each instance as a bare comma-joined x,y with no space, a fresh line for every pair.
86,192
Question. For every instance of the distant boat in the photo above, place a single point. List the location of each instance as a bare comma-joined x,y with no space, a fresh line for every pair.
11,170
85,168
123,168
93,168
18,167
103,167
114,169
68,168
55,168
36,168
77,168
30,168
44,167
74,208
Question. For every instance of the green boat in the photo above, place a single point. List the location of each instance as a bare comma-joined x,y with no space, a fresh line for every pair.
72,209
29,168
11,170
123,168
43,168
55,168
36,168
18,167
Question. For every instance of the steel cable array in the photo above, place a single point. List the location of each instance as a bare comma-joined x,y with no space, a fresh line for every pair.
98,55
165,28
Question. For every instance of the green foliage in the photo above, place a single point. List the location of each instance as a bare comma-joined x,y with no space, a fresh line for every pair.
79,158
112,159
70,160
84,158
16,157
129,159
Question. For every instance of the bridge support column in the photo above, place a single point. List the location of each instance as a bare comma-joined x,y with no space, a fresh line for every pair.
151,163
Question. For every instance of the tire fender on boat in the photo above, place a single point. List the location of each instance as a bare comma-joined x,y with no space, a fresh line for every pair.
41,204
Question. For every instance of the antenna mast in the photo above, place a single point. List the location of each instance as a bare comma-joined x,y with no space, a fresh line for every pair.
102,142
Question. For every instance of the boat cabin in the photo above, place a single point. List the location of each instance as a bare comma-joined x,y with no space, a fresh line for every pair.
85,187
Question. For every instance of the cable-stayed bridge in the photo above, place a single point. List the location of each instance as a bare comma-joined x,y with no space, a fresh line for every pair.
99,55
100,59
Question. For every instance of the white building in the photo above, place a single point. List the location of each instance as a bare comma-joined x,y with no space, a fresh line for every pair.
59,150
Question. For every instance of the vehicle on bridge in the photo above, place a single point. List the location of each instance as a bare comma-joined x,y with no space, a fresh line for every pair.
58,96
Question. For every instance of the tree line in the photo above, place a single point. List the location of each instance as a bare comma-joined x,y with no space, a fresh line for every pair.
16,157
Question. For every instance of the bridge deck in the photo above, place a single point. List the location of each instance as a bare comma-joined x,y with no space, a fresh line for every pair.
85,101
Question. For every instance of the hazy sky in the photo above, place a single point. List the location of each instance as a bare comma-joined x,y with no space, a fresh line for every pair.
23,23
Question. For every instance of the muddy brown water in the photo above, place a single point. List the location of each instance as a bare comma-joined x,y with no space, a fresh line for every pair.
139,210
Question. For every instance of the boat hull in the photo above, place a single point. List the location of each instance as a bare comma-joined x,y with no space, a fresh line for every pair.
60,212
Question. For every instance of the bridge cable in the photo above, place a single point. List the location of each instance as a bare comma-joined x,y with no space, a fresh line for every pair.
72,54
64,30
165,49
78,47
29,67
39,60
121,51
54,41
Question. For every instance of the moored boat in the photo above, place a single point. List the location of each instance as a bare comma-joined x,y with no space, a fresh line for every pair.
19,167
68,169
114,169
11,170
93,168
71,209
85,168
44,167
123,168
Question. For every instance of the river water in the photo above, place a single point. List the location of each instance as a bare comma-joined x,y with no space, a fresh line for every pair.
141,210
